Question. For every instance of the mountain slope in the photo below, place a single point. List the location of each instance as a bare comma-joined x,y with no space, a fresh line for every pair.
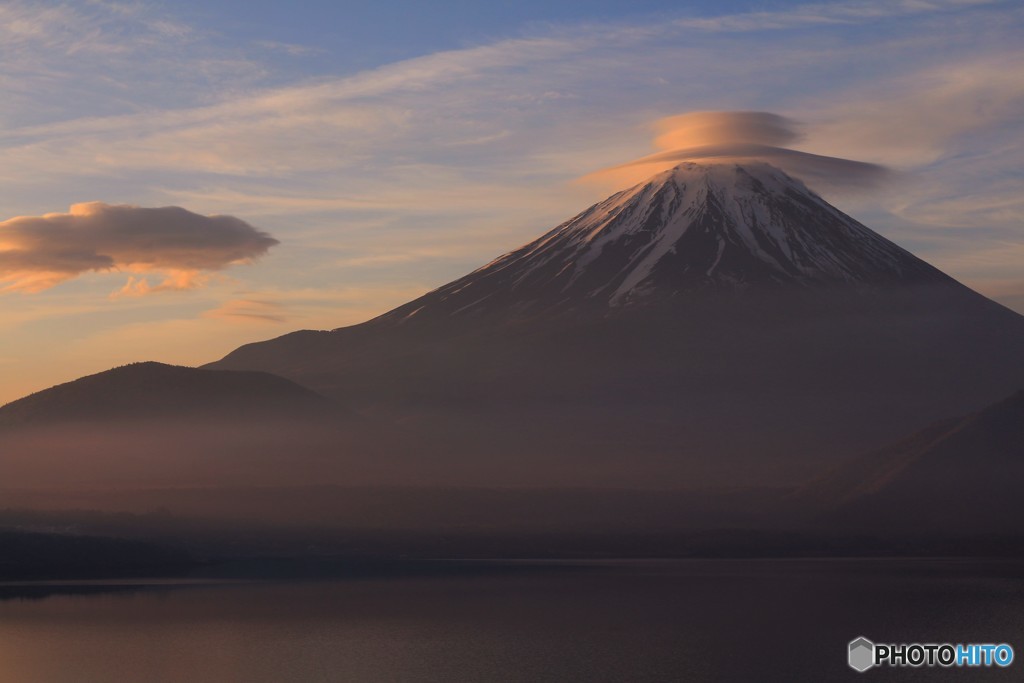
717,324
695,227
964,474
156,390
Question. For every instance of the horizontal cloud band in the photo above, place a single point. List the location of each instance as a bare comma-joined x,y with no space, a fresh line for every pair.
37,252
741,135
831,170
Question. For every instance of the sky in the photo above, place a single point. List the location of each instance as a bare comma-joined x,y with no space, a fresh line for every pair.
180,178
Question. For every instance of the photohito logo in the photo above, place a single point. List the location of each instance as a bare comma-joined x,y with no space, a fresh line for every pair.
864,654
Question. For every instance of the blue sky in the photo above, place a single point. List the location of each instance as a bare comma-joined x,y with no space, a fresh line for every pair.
359,35
390,147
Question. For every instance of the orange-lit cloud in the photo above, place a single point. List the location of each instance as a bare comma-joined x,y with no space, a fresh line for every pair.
723,127
38,252
250,310
173,280
738,136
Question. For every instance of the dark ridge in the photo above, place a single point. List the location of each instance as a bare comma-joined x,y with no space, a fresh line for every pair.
963,474
149,389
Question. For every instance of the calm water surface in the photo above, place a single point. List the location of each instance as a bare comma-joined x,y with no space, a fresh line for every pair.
702,620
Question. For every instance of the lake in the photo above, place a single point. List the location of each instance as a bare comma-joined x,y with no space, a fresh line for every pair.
679,620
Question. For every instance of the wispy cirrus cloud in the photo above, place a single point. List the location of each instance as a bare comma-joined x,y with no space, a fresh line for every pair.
290,49
823,14
251,310
109,58
488,97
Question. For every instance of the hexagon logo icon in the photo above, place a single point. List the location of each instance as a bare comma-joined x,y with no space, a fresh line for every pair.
862,654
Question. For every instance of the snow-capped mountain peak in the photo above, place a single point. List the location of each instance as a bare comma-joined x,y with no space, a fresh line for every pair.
695,227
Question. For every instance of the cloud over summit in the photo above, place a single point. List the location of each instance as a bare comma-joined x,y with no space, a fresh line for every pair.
724,127
38,252
739,136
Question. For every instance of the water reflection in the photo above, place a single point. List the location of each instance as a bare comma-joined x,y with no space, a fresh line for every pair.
738,620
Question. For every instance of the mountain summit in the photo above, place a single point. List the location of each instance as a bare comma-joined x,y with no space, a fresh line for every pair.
692,228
